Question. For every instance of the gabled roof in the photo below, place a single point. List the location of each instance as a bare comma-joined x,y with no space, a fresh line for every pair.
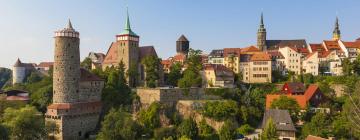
281,118
250,49
352,44
182,38
46,64
221,72
85,75
317,47
147,51
297,43
217,53
112,53
332,45
232,51
311,90
310,54
260,57
295,87
275,54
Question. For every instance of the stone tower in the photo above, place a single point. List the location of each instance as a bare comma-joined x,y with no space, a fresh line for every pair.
261,35
76,92
66,74
336,32
18,72
182,45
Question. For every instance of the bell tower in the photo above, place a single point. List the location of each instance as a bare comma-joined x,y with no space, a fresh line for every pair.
336,32
261,35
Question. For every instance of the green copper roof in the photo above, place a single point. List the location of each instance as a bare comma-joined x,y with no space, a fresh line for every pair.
127,29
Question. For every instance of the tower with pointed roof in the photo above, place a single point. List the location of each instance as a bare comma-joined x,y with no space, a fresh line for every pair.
76,102
182,45
261,35
336,32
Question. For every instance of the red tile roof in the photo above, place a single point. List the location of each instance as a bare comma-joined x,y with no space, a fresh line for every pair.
232,51
165,62
17,98
46,64
147,51
310,54
260,57
332,45
112,53
250,49
276,54
352,44
179,57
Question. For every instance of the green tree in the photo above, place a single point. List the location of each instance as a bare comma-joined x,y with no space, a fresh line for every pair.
220,110
52,129
347,66
5,75
152,69
289,104
42,97
118,125
86,63
33,78
227,131
174,74
206,132
318,126
132,74
24,123
188,128
150,118
269,132
164,132
3,133
192,76
245,129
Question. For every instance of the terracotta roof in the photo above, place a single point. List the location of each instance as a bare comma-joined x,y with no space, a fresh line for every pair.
165,62
324,54
88,76
232,51
281,118
72,105
317,47
179,57
112,53
352,44
250,49
297,43
310,54
260,57
311,137
302,100
332,45
147,51
46,64
220,71
275,54
303,50
182,38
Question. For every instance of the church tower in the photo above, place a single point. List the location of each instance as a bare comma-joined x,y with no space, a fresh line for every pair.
182,45
66,65
261,35
336,32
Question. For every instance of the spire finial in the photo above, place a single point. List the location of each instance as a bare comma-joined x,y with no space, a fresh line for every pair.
336,32
127,24
69,26
262,19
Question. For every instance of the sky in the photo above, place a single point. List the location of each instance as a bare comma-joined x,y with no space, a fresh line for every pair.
27,27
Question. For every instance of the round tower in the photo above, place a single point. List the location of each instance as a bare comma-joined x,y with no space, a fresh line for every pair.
66,74
18,73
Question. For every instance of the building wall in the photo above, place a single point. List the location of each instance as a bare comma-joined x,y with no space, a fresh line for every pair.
90,91
257,72
216,60
292,59
66,74
232,63
311,64
19,74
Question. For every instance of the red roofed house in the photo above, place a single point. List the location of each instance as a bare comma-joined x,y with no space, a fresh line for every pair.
312,96
256,67
217,75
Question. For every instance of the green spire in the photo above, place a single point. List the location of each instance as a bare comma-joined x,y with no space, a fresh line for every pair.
127,29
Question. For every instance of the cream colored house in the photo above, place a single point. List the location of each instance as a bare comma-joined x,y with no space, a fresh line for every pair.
292,59
311,64
232,59
330,63
216,75
256,68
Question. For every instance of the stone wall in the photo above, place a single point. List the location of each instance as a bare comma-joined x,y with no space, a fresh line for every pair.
90,91
168,96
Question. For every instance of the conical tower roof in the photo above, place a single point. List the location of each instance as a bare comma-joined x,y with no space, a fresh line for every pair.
18,63
127,30
182,38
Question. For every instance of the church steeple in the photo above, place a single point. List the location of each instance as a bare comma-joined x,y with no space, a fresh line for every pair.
336,32
127,29
261,35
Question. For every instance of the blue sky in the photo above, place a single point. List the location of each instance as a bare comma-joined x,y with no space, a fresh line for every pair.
26,27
